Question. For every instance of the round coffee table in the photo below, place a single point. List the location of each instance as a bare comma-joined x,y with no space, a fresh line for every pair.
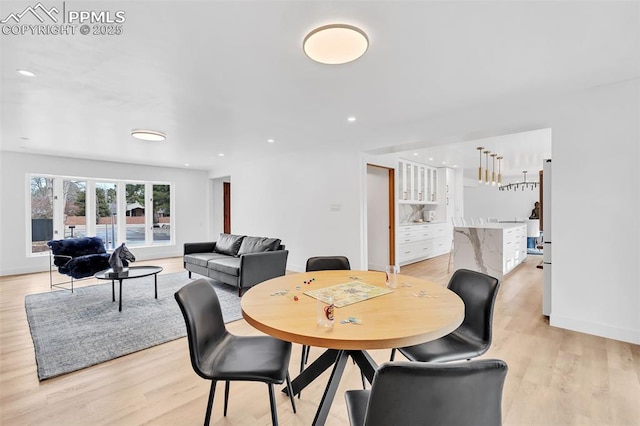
133,272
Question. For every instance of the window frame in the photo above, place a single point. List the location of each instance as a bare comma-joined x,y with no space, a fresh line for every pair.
90,209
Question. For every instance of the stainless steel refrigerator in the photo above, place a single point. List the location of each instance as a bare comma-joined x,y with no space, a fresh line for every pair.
547,237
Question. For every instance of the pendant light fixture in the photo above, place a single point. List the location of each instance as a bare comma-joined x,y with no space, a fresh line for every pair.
493,169
520,185
480,148
486,167
500,170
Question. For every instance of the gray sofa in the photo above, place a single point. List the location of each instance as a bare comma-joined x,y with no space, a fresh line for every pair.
237,260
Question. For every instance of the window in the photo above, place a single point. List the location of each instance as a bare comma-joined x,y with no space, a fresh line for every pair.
41,213
135,215
66,207
161,214
75,208
107,213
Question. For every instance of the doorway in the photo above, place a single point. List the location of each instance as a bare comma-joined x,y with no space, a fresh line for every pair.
380,217
226,207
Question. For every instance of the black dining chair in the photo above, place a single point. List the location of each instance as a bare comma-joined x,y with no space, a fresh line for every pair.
478,291
416,393
217,354
322,263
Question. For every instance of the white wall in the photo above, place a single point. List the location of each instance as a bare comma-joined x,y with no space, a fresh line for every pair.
190,211
483,201
291,196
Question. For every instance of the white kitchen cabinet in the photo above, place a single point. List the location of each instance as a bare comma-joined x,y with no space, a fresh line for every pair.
418,183
423,241
446,210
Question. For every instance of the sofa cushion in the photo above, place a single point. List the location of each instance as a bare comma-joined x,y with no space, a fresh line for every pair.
226,265
202,259
258,245
228,244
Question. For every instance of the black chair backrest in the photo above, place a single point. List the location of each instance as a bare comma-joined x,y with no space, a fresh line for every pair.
478,291
200,307
327,263
416,393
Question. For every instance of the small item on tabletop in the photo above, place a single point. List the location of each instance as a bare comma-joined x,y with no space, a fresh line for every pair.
392,276
351,320
325,309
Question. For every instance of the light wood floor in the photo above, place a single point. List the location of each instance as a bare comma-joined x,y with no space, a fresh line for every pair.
555,377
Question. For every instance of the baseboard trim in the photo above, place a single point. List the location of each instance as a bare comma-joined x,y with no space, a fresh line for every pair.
596,329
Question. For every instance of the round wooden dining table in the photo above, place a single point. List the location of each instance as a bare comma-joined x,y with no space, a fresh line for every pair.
414,312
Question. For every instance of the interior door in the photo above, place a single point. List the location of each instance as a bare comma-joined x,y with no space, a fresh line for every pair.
226,207
380,217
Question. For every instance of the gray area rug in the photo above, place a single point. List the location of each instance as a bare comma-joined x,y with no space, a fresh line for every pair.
71,331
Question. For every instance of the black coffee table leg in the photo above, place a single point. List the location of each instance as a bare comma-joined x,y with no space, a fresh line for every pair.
120,297
113,291
155,283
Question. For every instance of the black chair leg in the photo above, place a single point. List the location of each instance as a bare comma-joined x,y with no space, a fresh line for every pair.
290,391
303,361
226,396
207,417
272,400
393,354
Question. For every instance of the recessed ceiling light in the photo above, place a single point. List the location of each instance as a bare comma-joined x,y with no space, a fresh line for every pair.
221,155
148,135
186,164
25,73
351,119
415,153
430,158
270,140
335,44
444,162
455,165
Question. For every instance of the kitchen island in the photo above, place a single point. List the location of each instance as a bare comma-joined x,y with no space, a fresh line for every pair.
491,248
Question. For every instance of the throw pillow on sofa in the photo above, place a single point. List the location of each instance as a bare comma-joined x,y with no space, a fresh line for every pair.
258,245
228,244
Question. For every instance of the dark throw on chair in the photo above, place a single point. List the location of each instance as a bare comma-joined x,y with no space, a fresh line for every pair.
217,354
478,292
412,393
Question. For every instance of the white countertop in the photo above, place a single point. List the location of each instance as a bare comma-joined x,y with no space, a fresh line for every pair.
495,225
421,223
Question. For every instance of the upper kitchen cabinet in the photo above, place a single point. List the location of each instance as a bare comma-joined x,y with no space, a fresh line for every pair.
418,183
449,192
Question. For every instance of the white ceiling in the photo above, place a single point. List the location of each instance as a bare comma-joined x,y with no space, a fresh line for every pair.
223,77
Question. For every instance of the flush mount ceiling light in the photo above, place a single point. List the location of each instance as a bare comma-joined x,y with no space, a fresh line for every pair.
335,44
148,135
25,73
